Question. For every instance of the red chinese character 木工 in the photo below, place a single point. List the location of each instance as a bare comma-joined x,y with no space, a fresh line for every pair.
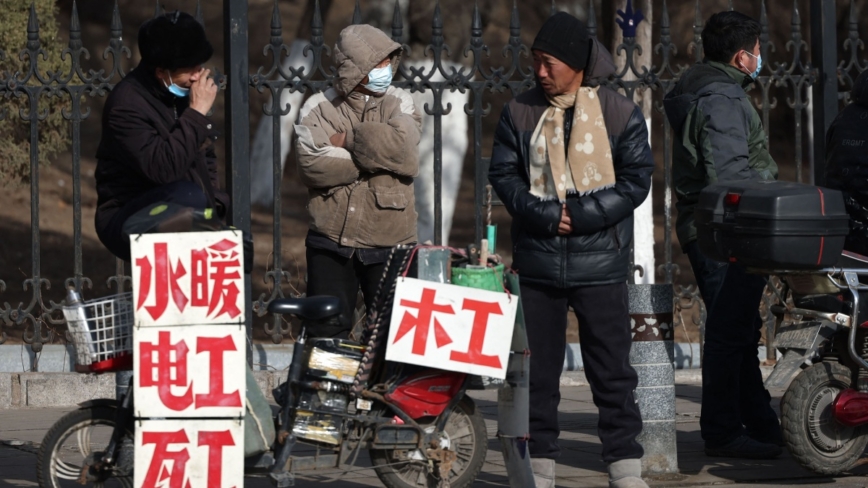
473,355
163,366
422,322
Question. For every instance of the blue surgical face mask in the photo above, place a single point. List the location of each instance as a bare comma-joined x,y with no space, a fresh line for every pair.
175,89
759,64
379,79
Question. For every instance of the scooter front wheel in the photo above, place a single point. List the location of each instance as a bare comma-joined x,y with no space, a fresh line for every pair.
813,436
73,445
465,435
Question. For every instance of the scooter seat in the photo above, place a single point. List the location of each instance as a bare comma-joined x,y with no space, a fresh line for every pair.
310,308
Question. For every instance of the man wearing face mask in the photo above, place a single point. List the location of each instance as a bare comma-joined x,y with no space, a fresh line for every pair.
719,137
157,142
356,146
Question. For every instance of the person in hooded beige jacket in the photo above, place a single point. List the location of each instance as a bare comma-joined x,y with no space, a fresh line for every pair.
356,146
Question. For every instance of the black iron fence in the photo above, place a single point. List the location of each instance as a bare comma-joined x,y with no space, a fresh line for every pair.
818,86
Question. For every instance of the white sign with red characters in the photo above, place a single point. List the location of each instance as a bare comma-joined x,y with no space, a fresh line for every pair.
188,278
192,371
189,454
451,327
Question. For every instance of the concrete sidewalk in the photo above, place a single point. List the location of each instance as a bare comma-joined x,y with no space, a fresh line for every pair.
22,429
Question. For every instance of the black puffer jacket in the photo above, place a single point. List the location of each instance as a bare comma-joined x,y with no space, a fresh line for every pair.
598,250
847,162
150,139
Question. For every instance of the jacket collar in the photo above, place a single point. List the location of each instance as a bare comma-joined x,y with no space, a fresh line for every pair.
736,74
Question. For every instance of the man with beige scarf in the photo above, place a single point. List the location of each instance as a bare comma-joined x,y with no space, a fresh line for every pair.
571,162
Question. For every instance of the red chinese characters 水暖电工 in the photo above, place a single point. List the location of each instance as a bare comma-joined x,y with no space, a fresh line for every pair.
213,274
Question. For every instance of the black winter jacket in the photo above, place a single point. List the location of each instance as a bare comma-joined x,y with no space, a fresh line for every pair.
847,162
598,250
150,139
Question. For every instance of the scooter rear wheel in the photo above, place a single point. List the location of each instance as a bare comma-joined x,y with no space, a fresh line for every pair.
813,436
74,442
465,435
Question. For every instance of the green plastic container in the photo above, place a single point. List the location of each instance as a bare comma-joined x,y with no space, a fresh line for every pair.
490,279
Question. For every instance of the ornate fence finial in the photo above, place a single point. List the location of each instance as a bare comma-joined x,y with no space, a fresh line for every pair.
592,19
33,30
476,26
764,28
74,29
357,14
397,23
437,26
629,20
515,25
316,26
696,45
276,26
198,16
797,23
116,30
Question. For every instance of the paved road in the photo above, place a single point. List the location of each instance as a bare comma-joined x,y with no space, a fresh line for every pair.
580,466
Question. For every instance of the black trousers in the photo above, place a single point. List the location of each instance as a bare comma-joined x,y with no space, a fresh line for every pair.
185,193
604,329
329,273
734,400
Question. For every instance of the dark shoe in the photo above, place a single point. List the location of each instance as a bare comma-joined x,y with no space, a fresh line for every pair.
746,448
773,439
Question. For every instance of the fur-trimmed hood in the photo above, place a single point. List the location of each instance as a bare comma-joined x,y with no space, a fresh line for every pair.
359,49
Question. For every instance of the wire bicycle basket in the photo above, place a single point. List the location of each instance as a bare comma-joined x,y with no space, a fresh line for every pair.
101,330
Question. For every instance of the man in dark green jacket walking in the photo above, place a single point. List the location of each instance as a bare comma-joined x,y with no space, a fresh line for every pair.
719,137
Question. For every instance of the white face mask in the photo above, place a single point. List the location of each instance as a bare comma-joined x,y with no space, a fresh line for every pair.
379,79
175,89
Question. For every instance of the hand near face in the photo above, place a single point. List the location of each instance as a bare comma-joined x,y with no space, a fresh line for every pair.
203,92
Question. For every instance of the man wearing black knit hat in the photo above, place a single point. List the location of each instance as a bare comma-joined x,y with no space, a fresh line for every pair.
571,162
157,141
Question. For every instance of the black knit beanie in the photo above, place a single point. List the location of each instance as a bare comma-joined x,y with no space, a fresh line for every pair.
174,40
566,38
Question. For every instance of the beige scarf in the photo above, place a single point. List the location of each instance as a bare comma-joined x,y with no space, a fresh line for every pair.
586,166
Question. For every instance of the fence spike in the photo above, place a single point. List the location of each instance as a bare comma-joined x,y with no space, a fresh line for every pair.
397,23
74,29
697,32
198,16
316,26
592,19
357,14
116,29
32,29
514,24
157,10
437,26
853,19
476,23
276,26
730,6
797,18
554,9
664,19
764,27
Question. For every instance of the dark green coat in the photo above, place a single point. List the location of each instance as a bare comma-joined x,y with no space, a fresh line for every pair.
718,136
